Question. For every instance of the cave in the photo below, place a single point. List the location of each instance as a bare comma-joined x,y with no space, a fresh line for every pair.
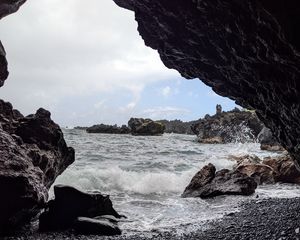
249,53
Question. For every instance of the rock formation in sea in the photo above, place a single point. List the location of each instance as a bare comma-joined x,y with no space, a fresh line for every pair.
111,129
178,126
33,153
141,126
225,127
208,183
247,50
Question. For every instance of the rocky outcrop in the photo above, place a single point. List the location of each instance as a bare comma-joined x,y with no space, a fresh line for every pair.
268,141
140,126
269,170
177,126
33,153
208,183
225,127
111,129
72,208
247,50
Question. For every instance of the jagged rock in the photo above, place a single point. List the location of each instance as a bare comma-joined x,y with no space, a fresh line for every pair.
111,129
140,126
69,204
33,153
285,169
84,225
208,183
244,159
261,173
225,127
268,141
246,50
177,126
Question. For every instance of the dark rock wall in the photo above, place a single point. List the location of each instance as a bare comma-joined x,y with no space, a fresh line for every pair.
245,50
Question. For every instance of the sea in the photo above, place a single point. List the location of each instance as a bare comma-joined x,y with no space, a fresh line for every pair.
145,176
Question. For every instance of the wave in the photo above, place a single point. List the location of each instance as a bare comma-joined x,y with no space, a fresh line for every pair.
115,179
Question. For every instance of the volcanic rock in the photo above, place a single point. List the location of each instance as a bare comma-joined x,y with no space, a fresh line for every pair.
247,50
225,127
208,183
177,126
140,126
33,153
111,129
84,225
268,141
69,204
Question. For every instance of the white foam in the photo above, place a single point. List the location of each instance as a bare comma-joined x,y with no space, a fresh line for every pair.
117,179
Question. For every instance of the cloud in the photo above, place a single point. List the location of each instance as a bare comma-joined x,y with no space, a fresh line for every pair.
66,49
164,112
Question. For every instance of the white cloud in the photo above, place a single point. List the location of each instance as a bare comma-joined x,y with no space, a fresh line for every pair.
166,91
70,48
164,112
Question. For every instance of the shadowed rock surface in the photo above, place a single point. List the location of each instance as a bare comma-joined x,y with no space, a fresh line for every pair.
70,204
140,126
268,141
178,126
33,153
208,183
245,50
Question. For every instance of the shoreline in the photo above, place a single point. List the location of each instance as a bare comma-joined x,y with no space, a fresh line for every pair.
259,219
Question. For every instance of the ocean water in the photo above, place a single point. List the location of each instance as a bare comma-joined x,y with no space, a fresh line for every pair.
145,176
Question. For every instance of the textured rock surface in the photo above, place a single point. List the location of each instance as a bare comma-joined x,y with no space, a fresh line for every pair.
268,141
245,50
111,129
69,204
208,183
225,127
140,126
178,126
33,153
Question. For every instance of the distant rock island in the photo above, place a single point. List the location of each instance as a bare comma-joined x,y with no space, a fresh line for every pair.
222,127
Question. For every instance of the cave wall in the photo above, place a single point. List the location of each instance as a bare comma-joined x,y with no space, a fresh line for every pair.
246,50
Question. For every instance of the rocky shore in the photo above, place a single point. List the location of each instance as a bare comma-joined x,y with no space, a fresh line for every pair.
258,220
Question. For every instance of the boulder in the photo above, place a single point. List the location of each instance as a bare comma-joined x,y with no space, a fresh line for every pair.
178,126
268,141
33,153
84,225
109,129
69,204
212,140
208,183
285,169
140,126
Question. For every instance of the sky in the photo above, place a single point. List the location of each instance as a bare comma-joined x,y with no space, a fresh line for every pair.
87,64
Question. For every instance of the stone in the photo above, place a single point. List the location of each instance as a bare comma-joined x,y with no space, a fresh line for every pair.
247,50
208,183
177,126
87,226
33,153
109,129
69,204
226,127
285,168
140,126
268,141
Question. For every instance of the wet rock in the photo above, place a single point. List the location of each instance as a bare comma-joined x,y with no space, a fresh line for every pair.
285,169
247,50
110,129
245,159
69,204
33,153
140,126
208,183
84,225
225,127
268,141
